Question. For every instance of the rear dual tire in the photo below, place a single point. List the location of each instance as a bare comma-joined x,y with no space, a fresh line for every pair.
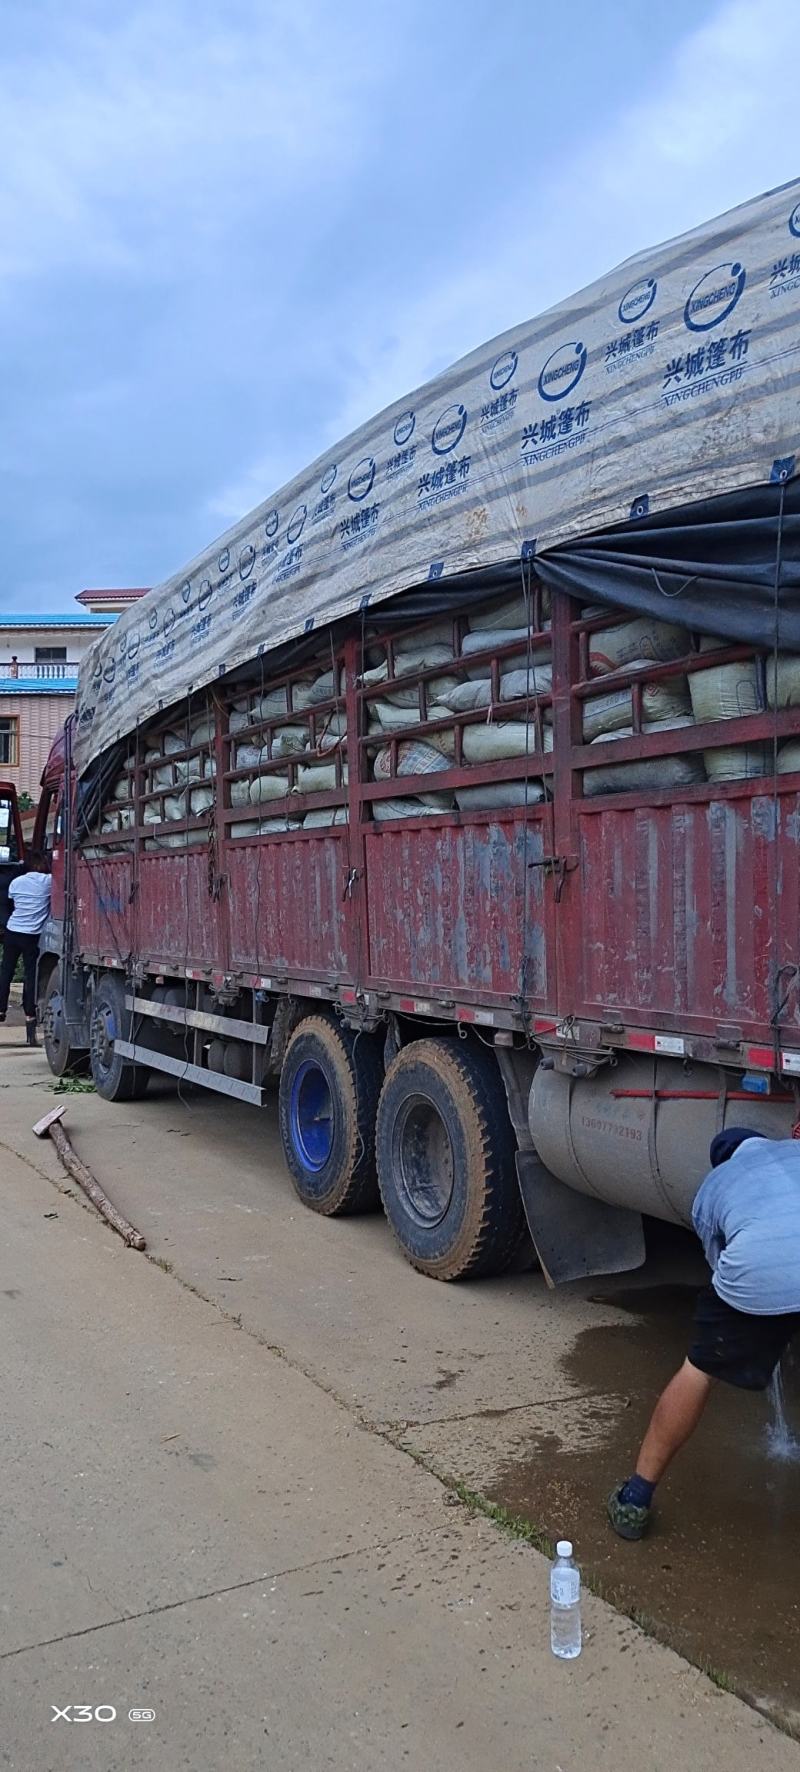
445,1153
327,1103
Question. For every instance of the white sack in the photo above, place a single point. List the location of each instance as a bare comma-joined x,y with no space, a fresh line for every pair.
493,796
783,684
726,692
264,787
319,778
660,701
413,807
610,649
324,815
505,738
645,772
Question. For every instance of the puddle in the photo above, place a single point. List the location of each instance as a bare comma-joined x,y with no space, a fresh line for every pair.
717,1576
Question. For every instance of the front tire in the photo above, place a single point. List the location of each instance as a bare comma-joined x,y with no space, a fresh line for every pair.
327,1102
445,1150
64,1060
114,1077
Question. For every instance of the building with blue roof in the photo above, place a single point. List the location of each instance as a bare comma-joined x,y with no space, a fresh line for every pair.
40,657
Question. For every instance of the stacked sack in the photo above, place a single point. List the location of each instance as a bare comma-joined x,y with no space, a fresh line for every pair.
289,743
521,677
727,692
414,757
117,816
666,705
182,783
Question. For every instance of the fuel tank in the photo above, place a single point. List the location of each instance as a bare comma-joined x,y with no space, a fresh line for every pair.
637,1133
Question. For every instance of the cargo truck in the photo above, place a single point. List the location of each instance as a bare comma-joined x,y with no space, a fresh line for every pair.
474,827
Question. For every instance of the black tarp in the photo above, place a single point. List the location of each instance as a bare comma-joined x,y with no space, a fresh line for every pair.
712,566
729,566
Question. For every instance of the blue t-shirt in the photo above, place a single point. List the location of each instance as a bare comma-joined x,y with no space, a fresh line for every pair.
747,1216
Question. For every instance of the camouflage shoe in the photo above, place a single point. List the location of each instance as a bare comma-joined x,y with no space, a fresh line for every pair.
628,1520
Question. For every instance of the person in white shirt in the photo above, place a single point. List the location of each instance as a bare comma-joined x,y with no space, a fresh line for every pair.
30,896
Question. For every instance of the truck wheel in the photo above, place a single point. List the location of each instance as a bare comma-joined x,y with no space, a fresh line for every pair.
63,1059
446,1149
114,1078
327,1101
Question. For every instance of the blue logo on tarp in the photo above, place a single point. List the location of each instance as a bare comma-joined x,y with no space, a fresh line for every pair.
246,560
186,590
562,371
404,428
271,523
133,644
328,478
297,524
638,300
224,560
152,620
169,621
362,478
714,297
449,429
502,370
206,593
794,222
110,670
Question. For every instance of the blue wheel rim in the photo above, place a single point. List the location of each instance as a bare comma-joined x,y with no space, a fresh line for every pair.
311,1116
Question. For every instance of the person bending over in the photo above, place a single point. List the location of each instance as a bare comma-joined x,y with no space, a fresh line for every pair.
747,1216
30,896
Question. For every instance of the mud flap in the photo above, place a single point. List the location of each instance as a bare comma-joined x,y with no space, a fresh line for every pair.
575,1236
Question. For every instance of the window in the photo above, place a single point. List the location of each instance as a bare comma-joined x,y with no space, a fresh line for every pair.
50,661
9,739
8,832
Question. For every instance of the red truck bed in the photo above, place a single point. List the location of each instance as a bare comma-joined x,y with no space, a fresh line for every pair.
659,919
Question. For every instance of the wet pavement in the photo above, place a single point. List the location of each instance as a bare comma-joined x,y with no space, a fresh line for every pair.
717,1576
535,1399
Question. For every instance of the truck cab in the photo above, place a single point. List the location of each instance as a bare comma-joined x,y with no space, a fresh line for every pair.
12,847
54,978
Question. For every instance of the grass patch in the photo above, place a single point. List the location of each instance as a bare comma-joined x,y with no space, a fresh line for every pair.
73,1086
719,1678
512,1525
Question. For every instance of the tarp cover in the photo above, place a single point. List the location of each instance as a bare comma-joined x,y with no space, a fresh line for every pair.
670,381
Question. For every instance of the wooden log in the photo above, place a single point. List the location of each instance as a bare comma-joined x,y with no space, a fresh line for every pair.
87,1181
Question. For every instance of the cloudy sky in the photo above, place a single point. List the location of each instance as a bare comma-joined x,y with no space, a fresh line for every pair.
230,230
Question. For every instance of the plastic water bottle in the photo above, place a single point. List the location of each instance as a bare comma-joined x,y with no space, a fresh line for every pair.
565,1604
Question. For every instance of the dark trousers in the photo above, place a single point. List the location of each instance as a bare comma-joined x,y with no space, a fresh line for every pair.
28,946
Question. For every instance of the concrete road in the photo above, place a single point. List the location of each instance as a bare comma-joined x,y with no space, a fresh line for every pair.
205,1510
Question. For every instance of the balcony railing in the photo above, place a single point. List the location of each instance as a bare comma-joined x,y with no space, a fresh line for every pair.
50,670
